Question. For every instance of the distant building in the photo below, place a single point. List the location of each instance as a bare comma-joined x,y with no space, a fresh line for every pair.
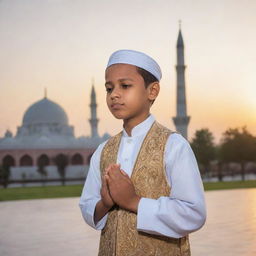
44,134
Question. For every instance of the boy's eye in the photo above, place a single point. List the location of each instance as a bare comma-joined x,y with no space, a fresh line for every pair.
125,86
108,90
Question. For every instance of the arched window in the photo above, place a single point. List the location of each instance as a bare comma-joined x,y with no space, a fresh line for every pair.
43,160
77,159
26,160
8,161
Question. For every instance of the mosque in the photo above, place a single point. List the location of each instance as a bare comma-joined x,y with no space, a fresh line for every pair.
46,140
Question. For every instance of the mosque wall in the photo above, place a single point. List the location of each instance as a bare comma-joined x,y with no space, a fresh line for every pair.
31,173
24,164
73,155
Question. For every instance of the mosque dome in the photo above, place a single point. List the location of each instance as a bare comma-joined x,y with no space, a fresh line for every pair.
45,111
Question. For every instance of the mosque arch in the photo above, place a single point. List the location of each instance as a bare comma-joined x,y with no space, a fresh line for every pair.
43,160
26,160
77,159
8,161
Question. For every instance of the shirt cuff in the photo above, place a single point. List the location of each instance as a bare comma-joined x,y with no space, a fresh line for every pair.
146,215
89,216
148,218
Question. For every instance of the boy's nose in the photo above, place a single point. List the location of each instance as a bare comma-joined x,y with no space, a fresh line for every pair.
115,94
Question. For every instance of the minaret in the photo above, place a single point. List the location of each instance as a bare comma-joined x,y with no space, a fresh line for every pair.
181,119
93,121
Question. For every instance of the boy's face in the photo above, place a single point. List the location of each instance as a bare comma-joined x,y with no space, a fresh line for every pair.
127,98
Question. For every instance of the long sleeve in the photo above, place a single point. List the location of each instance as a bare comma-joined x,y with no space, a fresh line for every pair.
184,210
91,191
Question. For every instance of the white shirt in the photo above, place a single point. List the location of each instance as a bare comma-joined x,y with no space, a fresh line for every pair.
175,216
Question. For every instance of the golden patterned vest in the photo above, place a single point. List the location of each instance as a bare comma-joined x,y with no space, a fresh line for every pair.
120,236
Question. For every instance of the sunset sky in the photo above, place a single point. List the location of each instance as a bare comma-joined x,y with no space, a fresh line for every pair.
63,44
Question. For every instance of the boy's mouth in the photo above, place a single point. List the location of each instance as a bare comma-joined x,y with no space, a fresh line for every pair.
116,105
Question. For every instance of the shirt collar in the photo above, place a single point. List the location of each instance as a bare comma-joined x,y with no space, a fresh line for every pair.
141,128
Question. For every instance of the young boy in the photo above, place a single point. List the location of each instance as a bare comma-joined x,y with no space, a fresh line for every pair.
143,189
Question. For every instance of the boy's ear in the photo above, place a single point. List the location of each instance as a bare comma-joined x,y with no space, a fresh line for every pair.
153,90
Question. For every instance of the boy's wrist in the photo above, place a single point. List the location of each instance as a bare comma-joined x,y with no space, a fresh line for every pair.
134,203
100,211
106,206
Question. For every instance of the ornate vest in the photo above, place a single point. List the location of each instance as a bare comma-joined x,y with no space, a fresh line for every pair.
120,236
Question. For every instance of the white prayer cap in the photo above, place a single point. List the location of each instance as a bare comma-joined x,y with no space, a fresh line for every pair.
138,59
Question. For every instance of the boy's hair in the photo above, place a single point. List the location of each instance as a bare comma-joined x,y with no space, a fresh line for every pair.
147,77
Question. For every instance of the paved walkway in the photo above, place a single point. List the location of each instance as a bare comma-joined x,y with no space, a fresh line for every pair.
55,227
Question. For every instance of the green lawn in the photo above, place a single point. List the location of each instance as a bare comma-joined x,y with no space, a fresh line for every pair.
229,185
40,192
75,190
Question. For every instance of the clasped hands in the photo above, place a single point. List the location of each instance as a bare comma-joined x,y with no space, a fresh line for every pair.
117,188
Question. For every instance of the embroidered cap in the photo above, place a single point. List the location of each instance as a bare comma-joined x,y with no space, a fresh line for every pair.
138,59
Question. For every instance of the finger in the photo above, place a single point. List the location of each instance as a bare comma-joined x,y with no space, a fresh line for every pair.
124,173
111,171
114,167
107,178
111,166
118,166
114,174
107,169
104,182
109,183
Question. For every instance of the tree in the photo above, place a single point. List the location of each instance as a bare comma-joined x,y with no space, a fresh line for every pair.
238,145
4,175
42,162
5,172
42,171
23,176
204,149
220,163
61,161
